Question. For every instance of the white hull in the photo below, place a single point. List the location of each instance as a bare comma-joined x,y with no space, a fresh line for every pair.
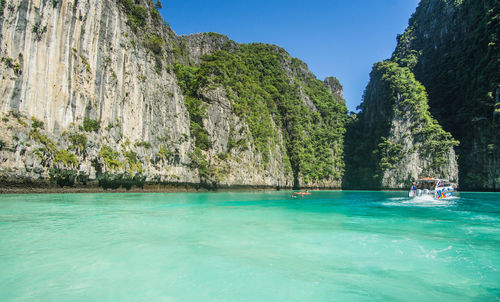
439,193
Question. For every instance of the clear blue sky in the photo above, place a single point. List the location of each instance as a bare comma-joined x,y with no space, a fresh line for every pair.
341,38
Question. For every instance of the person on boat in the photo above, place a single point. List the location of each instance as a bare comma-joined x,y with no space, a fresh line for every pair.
414,189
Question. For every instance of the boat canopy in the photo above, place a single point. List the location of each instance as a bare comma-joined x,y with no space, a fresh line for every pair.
430,183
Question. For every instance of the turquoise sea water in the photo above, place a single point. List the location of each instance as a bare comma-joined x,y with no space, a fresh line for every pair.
257,246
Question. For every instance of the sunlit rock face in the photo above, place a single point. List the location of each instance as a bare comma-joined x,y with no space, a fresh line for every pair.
89,93
394,140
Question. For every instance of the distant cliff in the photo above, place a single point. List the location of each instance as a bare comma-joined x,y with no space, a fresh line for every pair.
453,49
104,92
450,47
394,140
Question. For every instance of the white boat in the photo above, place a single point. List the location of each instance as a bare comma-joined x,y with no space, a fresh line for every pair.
438,188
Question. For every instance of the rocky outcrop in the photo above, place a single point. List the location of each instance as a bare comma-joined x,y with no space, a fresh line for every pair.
452,48
193,47
91,92
394,140
333,85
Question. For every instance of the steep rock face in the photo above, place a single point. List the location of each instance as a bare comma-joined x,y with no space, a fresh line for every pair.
193,47
232,159
452,47
81,60
292,121
394,140
333,85
104,90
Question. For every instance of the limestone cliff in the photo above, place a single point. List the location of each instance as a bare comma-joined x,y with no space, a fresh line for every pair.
394,140
453,49
103,90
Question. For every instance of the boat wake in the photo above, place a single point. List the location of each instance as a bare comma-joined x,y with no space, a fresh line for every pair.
422,201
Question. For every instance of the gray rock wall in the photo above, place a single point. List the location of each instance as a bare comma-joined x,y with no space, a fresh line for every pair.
79,59
67,62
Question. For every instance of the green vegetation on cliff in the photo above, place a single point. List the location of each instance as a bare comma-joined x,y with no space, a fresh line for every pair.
270,92
189,83
453,49
394,99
